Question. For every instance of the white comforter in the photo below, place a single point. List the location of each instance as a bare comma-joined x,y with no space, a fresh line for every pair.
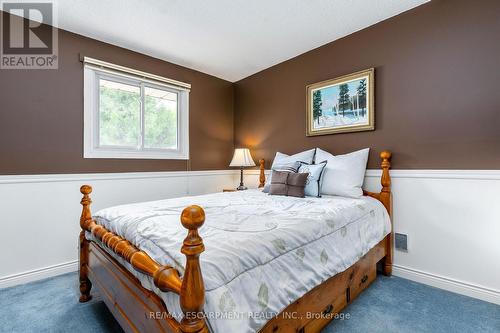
262,252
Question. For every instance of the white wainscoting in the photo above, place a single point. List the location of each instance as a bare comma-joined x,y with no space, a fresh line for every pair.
40,213
452,218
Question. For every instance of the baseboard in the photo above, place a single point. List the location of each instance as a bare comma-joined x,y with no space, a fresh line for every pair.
456,286
38,274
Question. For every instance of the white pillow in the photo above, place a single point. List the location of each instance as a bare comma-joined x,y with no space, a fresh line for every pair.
305,156
282,162
343,174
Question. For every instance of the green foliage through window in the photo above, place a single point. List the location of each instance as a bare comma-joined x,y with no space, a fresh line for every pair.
160,120
120,116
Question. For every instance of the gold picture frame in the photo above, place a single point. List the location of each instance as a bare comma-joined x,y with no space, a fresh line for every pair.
333,108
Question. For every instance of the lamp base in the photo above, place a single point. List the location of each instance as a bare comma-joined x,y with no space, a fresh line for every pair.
241,187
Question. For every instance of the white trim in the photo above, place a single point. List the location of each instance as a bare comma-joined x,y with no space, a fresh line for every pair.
428,174
438,174
18,179
139,154
255,172
38,274
456,286
103,65
41,178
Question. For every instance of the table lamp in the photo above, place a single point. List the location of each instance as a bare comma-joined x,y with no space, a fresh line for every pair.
242,159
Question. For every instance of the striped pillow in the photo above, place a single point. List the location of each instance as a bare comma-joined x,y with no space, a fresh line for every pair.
284,162
290,166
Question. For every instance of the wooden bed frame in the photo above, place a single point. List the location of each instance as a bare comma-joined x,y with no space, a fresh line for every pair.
140,310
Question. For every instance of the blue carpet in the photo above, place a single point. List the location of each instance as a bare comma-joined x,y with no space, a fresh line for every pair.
390,305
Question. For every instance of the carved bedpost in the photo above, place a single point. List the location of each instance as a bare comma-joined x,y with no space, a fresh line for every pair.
262,177
166,278
85,218
192,295
385,193
386,199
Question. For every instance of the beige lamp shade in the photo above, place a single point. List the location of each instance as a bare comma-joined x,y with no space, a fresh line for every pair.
242,158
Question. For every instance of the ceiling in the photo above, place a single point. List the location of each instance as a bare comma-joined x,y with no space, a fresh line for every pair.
230,39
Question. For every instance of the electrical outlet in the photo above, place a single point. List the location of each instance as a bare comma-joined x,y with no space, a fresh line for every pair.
401,241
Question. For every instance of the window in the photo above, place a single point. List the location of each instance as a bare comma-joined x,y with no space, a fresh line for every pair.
132,114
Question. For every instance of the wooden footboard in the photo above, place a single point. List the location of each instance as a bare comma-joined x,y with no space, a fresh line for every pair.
134,307
190,288
140,310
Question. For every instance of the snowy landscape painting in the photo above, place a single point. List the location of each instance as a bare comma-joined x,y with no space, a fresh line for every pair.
344,104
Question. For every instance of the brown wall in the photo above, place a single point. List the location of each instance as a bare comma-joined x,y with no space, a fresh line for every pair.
437,99
41,114
437,90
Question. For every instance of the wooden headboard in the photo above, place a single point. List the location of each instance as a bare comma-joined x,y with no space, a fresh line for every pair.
262,177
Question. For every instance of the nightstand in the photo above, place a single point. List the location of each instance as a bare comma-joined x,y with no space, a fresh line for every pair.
229,190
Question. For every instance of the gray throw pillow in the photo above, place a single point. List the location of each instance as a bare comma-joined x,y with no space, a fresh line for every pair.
278,185
289,166
284,162
288,183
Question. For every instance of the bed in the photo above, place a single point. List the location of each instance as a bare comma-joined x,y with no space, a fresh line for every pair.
271,263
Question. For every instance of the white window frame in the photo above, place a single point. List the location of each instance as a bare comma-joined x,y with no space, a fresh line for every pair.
96,69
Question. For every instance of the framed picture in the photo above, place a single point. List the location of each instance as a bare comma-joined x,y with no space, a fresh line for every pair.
344,104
